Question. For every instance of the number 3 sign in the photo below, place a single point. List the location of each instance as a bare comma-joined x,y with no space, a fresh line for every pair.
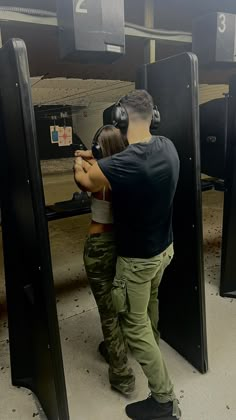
222,23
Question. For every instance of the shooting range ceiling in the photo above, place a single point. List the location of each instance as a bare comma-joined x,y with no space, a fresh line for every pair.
96,94
77,92
210,92
171,14
179,14
43,49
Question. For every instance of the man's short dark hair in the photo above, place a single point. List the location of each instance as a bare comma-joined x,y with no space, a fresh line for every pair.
138,102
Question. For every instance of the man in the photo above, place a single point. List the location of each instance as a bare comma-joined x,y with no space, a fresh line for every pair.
143,180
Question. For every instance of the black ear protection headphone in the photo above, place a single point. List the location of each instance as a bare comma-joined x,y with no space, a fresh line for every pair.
120,118
156,119
96,148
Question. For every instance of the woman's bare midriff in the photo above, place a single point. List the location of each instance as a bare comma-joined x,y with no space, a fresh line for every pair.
99,228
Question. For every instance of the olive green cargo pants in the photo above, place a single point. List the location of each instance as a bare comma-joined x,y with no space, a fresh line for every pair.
134,293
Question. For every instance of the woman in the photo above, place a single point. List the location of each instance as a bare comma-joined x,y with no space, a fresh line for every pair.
100,262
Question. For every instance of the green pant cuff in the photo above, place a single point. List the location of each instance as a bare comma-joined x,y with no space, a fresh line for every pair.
176,413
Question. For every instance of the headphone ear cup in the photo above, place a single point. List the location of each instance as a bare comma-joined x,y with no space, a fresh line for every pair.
96,148
115,115
120,118
97,151
156,119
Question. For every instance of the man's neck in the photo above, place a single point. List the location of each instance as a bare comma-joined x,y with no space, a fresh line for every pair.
138,133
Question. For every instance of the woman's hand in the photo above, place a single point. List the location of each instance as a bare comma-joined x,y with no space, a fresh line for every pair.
86,154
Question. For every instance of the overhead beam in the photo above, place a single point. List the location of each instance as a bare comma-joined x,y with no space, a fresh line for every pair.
131,29
6,16
157,34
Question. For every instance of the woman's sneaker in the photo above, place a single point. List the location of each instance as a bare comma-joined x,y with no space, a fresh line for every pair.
125,389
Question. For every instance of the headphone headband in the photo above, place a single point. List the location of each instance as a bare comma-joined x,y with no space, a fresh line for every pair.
120,117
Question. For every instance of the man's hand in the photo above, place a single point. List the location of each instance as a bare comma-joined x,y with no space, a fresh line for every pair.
78,164
81,165
87,177
86,155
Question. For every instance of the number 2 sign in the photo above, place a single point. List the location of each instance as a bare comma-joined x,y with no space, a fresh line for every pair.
80,6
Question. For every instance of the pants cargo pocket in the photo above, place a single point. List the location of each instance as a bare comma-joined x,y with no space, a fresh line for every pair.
119,296
168,256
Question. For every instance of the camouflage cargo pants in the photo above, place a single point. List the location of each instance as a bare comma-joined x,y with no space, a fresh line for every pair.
100,264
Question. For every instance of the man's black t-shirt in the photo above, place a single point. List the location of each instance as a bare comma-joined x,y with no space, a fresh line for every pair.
143,179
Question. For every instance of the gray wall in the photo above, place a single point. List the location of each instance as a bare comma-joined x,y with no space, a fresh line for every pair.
86,123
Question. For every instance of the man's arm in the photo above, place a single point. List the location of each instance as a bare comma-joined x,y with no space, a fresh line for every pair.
89,178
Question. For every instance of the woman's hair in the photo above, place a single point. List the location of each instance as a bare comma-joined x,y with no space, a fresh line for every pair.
111,140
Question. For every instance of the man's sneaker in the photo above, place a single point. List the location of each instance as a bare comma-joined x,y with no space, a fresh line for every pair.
103,351
150,409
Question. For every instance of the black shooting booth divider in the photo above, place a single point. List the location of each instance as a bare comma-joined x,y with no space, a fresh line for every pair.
35,349
218,160
228,260
213,137
173,83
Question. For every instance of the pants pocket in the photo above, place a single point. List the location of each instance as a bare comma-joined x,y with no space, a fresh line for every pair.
143,265
119,296
169,255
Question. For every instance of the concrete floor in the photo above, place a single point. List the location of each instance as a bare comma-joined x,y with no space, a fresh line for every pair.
202,397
